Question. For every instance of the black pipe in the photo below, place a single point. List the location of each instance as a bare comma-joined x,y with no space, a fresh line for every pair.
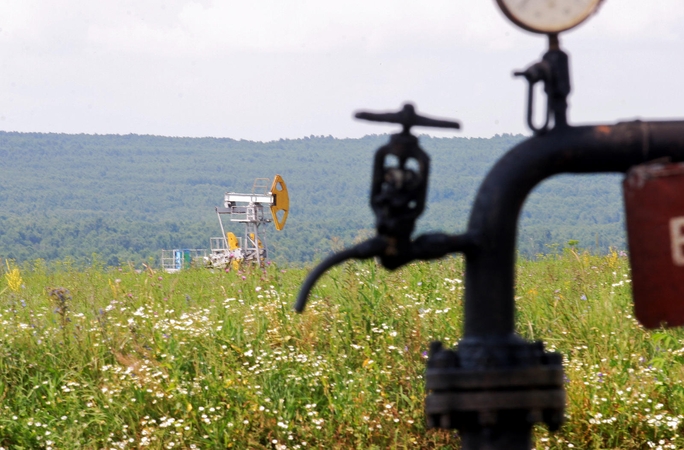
489,337
489,304
426,246
489,346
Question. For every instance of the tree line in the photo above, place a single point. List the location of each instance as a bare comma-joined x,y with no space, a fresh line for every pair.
126,197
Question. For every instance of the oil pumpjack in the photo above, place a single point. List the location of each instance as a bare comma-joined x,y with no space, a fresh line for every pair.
228,250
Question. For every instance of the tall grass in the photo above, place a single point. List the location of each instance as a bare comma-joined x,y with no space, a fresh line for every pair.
102,358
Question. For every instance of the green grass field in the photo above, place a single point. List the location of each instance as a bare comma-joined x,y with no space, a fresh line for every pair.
112,358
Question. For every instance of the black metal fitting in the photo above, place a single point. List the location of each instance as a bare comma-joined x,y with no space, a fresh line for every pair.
399,188
400,181
495,385
554,71
398,192
479,388
489,342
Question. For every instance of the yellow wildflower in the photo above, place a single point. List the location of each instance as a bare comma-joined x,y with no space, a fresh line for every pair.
13,277
115,289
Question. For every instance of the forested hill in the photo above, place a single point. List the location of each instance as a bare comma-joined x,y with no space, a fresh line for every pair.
127,197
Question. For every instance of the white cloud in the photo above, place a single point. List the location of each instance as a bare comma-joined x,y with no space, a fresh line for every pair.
210,28
636,20
263,69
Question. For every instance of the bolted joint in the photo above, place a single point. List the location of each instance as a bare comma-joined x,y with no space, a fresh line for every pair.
477,397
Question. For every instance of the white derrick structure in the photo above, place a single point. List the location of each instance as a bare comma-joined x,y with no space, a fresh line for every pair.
229,251
249,210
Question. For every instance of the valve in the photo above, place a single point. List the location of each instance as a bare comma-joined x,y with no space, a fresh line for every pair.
553,71
400,180
398,192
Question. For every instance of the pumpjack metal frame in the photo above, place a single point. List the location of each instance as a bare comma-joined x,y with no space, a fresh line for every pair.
495,385
247,209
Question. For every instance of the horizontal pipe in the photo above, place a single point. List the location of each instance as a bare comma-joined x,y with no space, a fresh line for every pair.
437,245
424,247
489,284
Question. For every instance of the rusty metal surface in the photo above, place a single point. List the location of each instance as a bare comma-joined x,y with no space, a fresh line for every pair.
654,213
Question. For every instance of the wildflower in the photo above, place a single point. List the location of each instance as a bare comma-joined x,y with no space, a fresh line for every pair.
61,297
13,277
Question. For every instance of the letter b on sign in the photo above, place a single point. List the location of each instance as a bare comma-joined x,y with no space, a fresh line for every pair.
654,213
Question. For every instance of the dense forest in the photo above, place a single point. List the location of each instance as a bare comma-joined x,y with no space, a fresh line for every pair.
126,197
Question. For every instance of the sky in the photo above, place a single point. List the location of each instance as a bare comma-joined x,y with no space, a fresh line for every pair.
269,69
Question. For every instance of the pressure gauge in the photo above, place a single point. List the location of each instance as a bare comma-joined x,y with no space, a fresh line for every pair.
548,16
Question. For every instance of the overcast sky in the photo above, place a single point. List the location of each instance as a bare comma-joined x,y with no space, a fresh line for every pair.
269,69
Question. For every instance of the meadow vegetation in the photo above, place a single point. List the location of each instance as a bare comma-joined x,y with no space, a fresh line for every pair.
117,358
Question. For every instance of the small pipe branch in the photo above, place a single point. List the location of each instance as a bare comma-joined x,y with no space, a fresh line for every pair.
424,247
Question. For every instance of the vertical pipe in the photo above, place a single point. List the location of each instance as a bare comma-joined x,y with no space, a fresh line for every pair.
489,305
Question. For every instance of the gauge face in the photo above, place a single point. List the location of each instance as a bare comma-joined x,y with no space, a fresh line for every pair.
548,16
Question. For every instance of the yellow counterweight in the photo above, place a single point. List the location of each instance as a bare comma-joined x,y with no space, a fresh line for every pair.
281,202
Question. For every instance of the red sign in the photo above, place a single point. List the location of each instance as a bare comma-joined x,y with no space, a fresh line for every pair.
654,210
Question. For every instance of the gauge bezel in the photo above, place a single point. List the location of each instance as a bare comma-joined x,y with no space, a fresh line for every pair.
527,27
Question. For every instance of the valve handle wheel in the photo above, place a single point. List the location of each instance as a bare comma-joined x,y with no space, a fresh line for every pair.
407,117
